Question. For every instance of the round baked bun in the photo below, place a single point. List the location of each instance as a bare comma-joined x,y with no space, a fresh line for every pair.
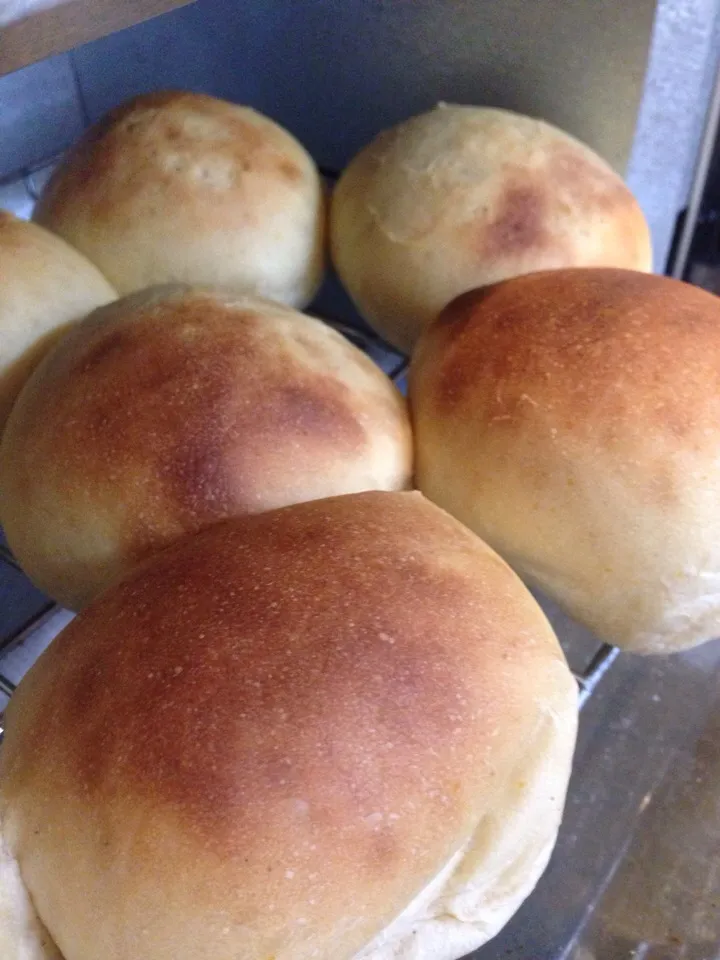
174,408
572,419
45,285
339,730
462,197
183,187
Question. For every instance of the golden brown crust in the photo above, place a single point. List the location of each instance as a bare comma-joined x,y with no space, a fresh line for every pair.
174,408
585,404
45,286
596,346
174,186
139,127
308,713
461,197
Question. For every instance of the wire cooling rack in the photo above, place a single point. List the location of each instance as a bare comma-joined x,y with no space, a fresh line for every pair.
19,194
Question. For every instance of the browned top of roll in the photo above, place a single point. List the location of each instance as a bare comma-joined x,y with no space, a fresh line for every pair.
173,408
268,739
107,156
589,346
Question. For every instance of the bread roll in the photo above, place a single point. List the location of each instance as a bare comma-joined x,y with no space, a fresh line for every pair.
572,419
462,197
338,730
183,187
174,408
44,286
